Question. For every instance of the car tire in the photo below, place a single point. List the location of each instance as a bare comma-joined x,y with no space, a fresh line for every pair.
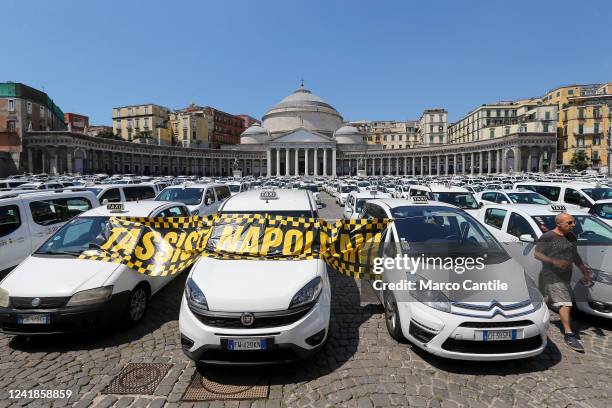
392,319
137,304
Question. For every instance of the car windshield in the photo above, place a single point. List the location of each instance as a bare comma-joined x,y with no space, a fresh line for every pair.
528,198
461,200
588,230
360,203
348,189
603,210
598,193
363,184
188,196
76,236
314,189
444,231
234,188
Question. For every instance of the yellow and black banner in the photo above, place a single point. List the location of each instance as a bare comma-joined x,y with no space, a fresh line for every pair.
165,246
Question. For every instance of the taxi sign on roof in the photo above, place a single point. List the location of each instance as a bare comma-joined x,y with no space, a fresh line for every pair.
419,199
115,207
558,208
268,195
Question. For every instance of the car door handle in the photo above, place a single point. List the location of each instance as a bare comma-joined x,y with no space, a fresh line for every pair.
39,234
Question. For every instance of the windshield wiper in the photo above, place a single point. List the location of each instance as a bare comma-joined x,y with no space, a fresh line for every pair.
71,253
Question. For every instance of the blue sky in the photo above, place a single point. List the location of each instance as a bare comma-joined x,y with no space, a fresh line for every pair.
369,59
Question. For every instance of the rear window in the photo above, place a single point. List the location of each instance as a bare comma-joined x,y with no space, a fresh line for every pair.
10,219
58,210
137,193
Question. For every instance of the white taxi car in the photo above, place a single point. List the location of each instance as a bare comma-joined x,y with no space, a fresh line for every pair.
454,195
342,191
52,291
602,209
356,200
520,225
512,196
201,199
27,219
490,323
257,311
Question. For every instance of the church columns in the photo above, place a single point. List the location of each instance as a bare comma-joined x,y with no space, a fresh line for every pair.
287,163
334,162
316,162
305,162
325,162
297,162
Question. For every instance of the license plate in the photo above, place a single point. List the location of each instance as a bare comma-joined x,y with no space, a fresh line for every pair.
246,344
498,335
43,318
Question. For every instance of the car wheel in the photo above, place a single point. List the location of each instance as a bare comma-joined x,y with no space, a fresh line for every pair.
392,319
137,305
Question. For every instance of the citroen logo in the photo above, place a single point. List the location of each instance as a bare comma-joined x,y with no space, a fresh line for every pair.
247,319
35,302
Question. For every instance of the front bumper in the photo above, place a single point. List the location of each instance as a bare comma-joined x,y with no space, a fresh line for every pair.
288,343
64,319
455,337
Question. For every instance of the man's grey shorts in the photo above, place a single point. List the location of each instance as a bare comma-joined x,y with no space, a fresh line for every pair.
559,294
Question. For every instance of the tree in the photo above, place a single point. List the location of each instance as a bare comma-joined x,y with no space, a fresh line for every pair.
108,134
580,160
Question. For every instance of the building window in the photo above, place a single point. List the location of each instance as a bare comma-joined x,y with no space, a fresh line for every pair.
29,107
507,130
42,112
10,125
431,128
565,144
570,92
581,113
129,111
146,110
558,94
491,133
488,113
545,127
137,123
146,123
498,112
580,141
580,129
596,141
129,123
547,115
11,105
565,130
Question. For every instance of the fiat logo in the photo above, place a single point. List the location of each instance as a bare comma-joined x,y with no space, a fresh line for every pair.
35,302
247,319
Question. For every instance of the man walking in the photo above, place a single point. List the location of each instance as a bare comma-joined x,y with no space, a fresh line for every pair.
557,251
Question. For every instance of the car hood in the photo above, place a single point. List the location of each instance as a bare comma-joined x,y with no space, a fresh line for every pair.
252,285
509,272
46,276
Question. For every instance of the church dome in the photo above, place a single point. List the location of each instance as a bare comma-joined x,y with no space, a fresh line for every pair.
302,109
255,134
348,135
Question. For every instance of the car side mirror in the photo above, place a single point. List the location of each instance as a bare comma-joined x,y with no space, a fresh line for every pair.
526,238
480,204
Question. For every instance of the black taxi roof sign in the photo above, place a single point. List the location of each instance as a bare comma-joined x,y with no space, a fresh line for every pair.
558,208
115,207
268,195
419,199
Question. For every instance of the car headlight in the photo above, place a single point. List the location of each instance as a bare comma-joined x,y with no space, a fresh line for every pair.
534,293
194,295
309,293
602,276
432,298
90,296
4,298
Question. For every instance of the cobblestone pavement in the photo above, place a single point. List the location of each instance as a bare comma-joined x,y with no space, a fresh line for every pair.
361,366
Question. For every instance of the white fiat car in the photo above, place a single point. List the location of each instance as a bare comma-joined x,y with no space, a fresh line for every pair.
478,320
52,291
201,199
356,200
257,311
518,226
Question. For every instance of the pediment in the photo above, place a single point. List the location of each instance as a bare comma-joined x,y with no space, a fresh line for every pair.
302,136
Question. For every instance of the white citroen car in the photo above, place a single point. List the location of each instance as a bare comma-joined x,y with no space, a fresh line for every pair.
257,311
518,226
52,291
477,320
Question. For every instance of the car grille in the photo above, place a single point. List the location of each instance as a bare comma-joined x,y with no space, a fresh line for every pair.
261,321
45,302
491,325
492,347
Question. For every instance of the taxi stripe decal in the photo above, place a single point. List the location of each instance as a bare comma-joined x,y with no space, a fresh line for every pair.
166,246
